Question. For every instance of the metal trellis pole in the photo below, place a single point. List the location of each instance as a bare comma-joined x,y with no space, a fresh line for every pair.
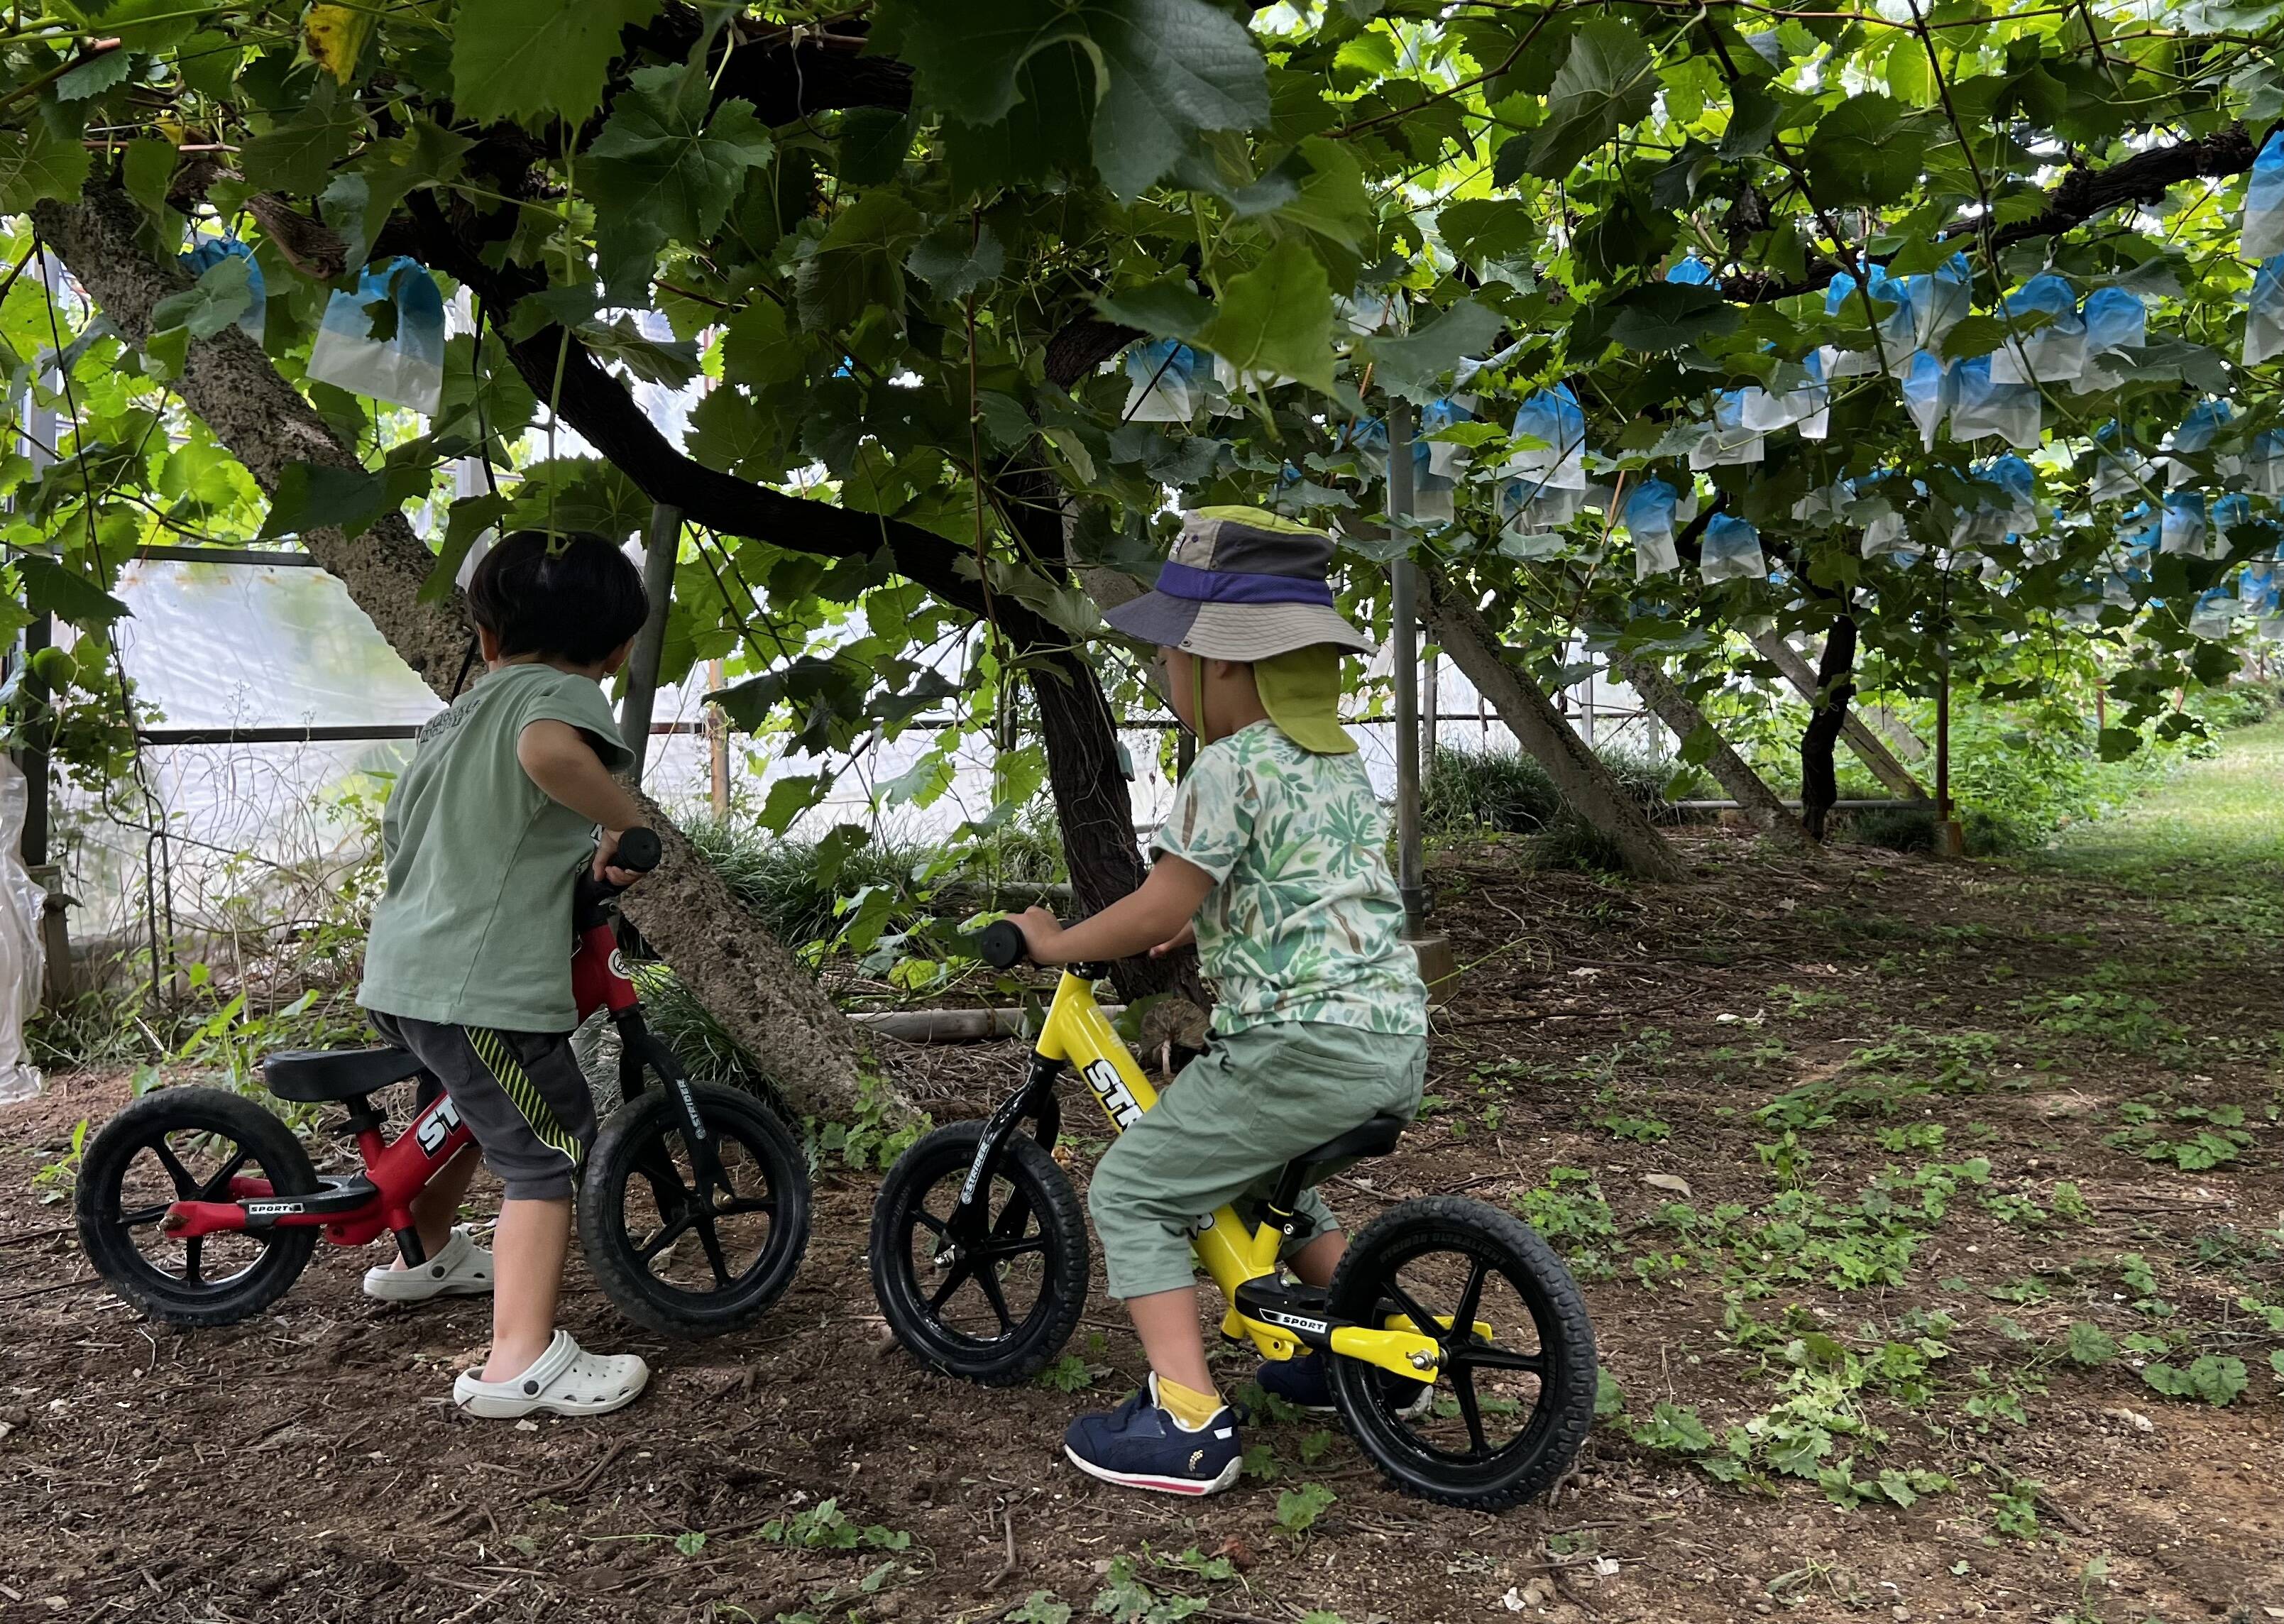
1403,637
661,546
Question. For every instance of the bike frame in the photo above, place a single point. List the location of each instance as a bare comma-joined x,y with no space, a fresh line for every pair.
1279,1320
355,1210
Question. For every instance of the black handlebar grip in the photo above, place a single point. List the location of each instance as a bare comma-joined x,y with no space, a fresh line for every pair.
1001,944
638,851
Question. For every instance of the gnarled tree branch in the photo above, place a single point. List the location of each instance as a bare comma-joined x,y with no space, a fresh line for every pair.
727,956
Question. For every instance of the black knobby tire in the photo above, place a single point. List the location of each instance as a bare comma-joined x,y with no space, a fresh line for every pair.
1455,1240
1033,1213
675,1265
208,1136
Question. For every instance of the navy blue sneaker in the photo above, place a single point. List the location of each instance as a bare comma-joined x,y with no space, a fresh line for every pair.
1302,1383
1142,1446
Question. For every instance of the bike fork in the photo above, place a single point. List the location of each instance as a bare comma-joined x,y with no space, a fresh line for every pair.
970,1213
638,1048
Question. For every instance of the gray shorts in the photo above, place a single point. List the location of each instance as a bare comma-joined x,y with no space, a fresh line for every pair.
521,1094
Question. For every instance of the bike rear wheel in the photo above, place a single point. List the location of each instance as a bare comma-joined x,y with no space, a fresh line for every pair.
997,1306
678,1261
191,1144
1509,1413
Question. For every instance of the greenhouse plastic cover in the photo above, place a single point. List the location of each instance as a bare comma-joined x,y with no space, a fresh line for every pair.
216,645
21,955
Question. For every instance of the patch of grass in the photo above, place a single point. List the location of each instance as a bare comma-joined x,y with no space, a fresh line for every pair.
1572,843
1900,828
1509,792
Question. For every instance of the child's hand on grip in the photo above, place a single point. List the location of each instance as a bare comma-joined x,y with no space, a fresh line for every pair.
1041,931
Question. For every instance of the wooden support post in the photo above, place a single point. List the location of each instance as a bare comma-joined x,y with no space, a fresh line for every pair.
717,743
1951,838
1429,671
1866,745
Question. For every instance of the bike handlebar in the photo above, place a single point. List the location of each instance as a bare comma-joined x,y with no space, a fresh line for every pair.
1001,944
638,853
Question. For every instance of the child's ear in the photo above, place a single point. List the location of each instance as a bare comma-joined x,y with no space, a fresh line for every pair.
617,658
487,644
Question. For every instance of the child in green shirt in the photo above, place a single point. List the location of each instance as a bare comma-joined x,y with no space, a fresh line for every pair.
468,963
1272,859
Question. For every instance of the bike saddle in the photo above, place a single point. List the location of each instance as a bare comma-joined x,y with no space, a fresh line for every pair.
313,1076
1375,1137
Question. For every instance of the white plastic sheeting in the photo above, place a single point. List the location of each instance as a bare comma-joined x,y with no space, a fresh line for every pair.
219,645
22,960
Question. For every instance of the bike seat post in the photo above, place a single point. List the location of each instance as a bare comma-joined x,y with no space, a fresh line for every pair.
363,1125
1279,1212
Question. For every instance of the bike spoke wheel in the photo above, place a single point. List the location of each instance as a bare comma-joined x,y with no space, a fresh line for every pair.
694,1239
992,1300
191,1144
1510,1406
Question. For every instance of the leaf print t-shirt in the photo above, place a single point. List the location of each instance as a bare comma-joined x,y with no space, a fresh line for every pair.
1304,922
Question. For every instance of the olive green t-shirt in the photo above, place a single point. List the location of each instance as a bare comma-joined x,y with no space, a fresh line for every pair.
475,927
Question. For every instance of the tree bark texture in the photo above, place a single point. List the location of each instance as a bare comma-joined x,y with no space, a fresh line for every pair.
1835,686
1754,799
1589,786
1876,755
726,955
1094,805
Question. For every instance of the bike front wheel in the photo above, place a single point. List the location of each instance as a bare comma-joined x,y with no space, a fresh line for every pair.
1511,1408
677,1252
994,1305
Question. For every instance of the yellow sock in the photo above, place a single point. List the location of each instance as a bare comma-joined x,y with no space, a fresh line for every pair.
1190,1409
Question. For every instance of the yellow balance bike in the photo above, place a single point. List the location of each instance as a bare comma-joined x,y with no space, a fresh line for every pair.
980,1260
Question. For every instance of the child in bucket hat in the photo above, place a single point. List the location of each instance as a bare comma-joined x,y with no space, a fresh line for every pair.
1273,860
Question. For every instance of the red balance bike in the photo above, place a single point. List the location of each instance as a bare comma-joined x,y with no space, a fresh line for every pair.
200,1207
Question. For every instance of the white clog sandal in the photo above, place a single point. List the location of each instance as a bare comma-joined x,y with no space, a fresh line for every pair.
460,1268
563,1381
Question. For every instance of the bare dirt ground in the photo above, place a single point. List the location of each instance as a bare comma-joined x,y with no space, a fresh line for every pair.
1920,1233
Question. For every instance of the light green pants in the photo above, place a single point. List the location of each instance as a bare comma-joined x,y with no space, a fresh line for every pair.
1231,1121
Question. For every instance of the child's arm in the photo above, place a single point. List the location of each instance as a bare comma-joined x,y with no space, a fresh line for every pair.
564,765
1153,915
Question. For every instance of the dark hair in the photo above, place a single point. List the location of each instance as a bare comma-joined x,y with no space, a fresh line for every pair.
574,595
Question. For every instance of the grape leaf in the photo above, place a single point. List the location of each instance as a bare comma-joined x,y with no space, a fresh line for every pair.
1278,319
1174,66
50,588
1410,365
873,142
1659,316
1165,69
1608,81
93,76
318,496
1866,150
536,60
661,157
35,162
335,36
218,298
952,265
2090,1344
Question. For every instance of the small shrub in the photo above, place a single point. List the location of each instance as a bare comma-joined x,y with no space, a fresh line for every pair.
1901,828
1500,790
1571,842
1647,779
